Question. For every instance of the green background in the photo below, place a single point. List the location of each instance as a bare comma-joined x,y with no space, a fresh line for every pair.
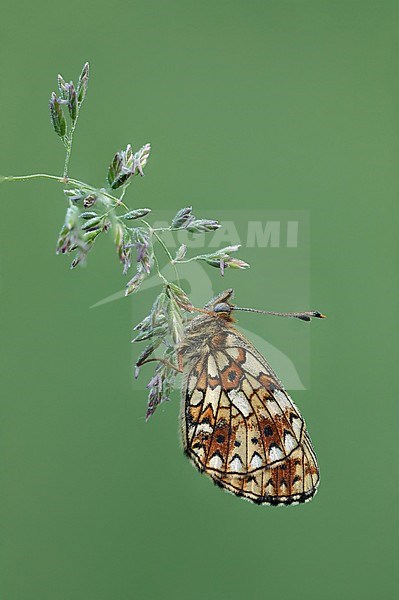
284,105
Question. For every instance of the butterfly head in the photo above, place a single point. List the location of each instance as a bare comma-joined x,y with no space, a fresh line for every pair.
222,309
221,306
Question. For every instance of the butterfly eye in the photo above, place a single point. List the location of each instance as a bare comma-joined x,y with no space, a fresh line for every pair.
222,307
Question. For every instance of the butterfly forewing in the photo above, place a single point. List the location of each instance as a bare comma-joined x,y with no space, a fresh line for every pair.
239,425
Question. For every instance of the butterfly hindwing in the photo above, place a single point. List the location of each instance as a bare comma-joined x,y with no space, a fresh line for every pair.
240,426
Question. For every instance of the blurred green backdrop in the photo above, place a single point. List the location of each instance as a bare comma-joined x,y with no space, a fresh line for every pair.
288,105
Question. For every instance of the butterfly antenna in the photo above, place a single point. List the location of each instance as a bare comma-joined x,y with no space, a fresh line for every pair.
303,316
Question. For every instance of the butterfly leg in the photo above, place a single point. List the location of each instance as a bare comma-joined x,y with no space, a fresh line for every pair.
163,361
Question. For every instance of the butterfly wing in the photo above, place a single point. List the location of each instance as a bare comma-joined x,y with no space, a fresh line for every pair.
242,429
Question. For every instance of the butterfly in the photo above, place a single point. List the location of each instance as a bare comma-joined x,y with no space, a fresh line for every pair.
239,426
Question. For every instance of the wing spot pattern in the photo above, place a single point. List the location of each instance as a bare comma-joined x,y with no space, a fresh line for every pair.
243,430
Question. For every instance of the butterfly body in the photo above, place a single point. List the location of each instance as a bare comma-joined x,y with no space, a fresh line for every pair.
239,425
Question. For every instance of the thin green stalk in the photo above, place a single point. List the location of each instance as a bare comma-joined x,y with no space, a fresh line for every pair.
188,260
159,271
160,240
69,145
34,176
69,150
85,186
